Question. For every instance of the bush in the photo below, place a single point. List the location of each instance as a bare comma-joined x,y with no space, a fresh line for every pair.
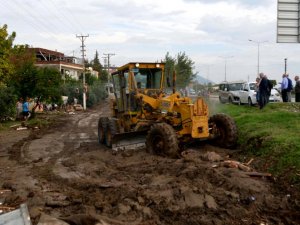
96,92
7,103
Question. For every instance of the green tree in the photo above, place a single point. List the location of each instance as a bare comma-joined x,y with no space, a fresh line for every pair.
71,89
6,43
90,79
7,102
31,81
169,68
48,85
183,66
103,75
24,77
96,63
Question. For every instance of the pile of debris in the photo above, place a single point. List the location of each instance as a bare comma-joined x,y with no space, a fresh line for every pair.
219,161
13,209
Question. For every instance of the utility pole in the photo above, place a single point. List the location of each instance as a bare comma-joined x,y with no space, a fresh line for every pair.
225,59
82,39
104,62
258,44
108,55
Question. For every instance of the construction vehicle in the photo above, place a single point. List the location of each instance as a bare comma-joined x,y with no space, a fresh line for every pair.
145,112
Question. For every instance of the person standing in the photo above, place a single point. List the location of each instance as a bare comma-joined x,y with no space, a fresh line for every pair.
257,90
297,89
263,90
289,89
284,87
19,107
25,110
269,88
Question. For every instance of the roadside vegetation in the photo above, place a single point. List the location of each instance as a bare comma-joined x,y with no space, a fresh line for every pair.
272,134
20,78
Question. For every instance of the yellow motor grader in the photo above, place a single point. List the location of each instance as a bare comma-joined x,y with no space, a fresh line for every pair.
145,112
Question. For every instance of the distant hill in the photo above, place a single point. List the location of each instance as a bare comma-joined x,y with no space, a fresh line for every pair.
202,80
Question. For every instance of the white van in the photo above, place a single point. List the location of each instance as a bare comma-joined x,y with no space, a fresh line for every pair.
229,91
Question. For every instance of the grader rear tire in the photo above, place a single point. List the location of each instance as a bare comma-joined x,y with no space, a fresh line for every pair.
102,126
224,128
162,140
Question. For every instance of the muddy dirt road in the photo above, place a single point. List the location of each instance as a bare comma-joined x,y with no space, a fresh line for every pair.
63,171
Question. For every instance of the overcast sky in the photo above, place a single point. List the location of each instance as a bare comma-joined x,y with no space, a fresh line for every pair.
145,30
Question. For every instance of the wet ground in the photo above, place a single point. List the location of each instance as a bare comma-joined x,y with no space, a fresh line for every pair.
63,172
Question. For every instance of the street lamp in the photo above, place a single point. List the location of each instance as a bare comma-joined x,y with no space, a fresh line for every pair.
285,65
258,43
225,58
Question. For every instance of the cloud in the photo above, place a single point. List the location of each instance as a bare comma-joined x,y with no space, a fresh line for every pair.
146,30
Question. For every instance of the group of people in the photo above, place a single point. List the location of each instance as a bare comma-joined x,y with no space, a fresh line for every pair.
287,87
264,87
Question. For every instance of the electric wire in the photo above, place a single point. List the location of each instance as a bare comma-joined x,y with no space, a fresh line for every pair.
26,20
71,23
36,14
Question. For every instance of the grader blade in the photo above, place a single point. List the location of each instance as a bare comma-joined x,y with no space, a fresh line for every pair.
129,141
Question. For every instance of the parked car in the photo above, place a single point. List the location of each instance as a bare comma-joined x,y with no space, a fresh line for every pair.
275,96
192,92
248,94
229,91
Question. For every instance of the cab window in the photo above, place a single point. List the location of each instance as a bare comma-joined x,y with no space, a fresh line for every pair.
148,78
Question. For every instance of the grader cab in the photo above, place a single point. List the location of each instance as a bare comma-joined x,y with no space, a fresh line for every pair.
145,112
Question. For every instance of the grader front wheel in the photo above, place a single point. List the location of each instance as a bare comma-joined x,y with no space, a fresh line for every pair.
102,125
162,140
224,130
112,129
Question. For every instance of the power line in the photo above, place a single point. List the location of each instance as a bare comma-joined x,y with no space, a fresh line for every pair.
71,23
34,14
75,18
34,22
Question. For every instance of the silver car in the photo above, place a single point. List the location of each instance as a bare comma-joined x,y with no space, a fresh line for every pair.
229,91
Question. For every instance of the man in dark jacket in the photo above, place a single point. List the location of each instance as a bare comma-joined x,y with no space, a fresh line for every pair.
263,90
289,89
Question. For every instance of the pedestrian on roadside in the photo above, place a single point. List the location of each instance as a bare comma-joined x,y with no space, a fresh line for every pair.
289,89
19,107
297,89
25,110
257,90
263,90
284,87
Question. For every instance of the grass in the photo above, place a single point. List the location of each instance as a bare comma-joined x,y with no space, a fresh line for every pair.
272,134
7,124
40,120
